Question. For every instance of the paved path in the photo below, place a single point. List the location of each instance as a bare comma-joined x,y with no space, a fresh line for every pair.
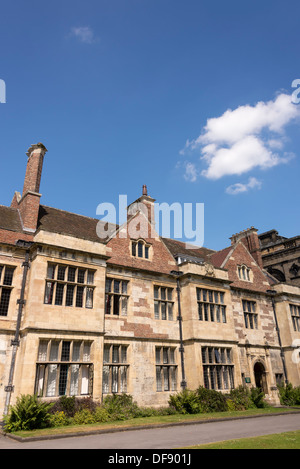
167,438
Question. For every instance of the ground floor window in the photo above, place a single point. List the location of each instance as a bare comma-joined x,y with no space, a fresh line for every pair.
218,369
64,368
279,379
115,368
166,369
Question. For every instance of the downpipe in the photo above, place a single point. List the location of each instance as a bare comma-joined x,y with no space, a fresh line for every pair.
15,343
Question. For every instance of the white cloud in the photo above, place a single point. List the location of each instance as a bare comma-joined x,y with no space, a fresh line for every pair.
241,157
190,172
237,188
244,138
84,34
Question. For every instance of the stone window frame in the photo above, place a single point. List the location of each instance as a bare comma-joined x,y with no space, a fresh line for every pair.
69,285
6,287
140,249
116,297
244,273
166,368
211,305
218,367
115,370
63,367
163,296
295,315
250,313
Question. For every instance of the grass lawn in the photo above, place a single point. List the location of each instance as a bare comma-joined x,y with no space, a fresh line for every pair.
288,440
146,421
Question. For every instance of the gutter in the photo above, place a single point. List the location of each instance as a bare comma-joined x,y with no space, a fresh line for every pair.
15,343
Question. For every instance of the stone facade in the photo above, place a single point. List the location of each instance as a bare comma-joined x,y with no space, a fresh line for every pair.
87,315
281,256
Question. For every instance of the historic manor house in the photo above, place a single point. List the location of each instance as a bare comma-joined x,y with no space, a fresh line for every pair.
85,315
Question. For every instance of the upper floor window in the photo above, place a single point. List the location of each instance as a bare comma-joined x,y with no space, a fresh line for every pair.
69,286
244,273
295,313
140,249
6,278
211,305
163,303
250,315
116,296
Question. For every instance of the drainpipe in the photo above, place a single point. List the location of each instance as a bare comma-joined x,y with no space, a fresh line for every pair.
178,274
272,293
16,341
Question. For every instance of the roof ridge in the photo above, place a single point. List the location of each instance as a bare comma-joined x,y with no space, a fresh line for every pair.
77,214
10,208
186,242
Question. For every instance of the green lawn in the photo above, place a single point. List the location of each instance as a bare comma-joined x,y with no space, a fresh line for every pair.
288,440
147,421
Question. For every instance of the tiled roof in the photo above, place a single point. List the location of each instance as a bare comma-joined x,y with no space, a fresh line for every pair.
70,224
10,219
219,257
178,247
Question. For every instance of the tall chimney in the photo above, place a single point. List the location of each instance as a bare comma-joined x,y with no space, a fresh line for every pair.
28,204
34,168
250,239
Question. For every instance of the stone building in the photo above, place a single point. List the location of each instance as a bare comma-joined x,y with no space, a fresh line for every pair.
130,311
281,256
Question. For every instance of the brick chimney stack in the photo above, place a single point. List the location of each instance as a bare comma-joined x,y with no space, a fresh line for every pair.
28,204
34,168
250,239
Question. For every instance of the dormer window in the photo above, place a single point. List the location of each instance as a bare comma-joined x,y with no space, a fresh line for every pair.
244,273
140,249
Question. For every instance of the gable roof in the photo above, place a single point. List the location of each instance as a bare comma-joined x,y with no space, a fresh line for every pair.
218,258
59,221
10,219
238,254
179,248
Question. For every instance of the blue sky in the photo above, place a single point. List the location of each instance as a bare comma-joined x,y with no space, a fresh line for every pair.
158,92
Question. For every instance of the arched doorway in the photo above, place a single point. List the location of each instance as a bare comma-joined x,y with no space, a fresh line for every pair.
260,377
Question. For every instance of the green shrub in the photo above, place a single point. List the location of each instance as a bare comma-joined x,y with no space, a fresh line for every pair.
59,419
71,405
83,417
146,412
289,395
120,406
28,414
210,400
297,395
240,399
231,405
185,402
85,403
257,397
154,411
101,415
65,404
201,400
166,410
